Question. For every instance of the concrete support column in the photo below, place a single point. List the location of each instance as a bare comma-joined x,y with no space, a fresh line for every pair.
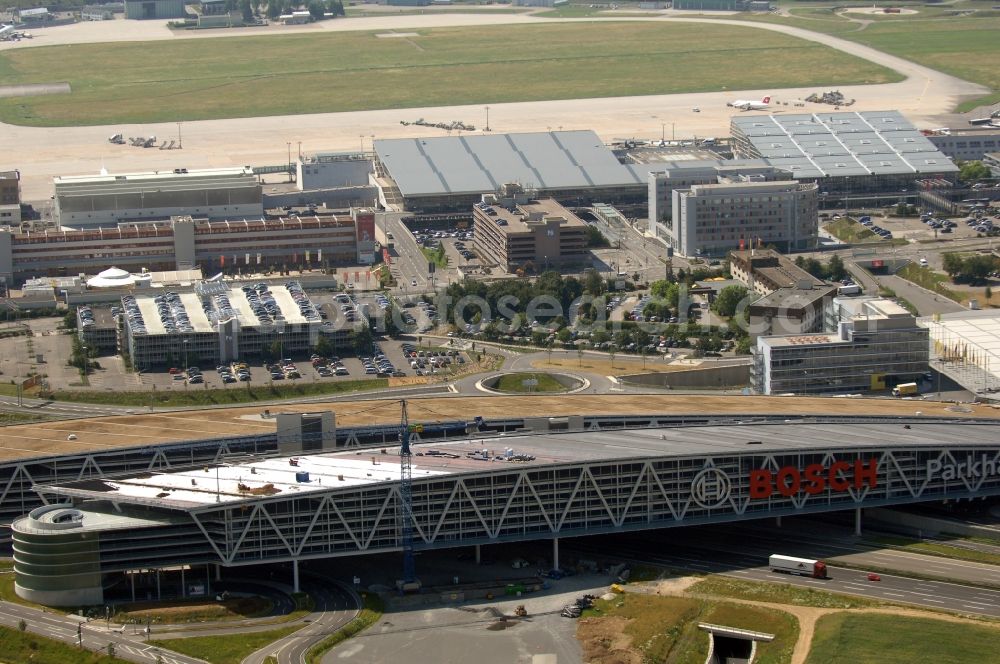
132,576
295,576
479,556
218,572
184,588
208,579
555,553
777,521
158,596
857,521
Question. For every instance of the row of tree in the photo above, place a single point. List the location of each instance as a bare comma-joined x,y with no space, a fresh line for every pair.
974,269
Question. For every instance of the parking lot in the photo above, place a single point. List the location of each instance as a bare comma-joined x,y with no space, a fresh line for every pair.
388,359
933,226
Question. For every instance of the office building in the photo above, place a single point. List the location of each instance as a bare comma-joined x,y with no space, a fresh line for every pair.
844,152
684,174
10,198
712,219
182,243
105,200
515,232
992,160
764,271
876,349
332,170
796,309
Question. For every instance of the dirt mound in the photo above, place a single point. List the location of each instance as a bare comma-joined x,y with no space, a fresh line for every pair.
604,641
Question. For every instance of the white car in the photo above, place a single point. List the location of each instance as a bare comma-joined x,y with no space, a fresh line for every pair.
413,282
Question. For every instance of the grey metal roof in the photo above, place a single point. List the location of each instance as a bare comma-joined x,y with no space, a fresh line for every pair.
812,145
481,163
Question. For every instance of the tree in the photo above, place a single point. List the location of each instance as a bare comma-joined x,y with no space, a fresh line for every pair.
564,335
579,355
988,294
970,171
275,350
274,8
247,8
975,269
835,270
595,238
666,290
361,339
69,320
316,10
22,625
592,283
323,347
952,264
728,300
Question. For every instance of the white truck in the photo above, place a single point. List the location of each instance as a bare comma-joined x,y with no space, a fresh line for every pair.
801,566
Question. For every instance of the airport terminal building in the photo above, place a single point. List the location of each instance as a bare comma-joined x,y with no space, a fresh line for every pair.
844,152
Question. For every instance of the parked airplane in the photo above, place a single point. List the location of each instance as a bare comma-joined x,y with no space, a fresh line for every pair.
747,105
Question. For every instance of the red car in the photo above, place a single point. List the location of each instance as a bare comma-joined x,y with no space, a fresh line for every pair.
874,577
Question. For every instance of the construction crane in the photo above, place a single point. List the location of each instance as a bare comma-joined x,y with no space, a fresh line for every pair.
409,581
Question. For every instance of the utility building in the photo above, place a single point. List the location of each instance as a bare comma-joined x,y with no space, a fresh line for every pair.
105,200
154,9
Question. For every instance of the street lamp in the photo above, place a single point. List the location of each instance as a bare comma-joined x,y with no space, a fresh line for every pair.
86,362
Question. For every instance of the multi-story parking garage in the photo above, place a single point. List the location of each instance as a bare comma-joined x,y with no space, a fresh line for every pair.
594,477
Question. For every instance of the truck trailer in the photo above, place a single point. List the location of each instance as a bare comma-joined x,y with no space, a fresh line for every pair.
800,566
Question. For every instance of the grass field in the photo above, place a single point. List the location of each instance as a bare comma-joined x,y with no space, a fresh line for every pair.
942,548
16,646
196,397
779,593
843,638
665,629
515,383
277,75
228,649
937,37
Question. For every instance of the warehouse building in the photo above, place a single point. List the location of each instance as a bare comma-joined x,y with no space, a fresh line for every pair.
452,173
713,219
180,243
516,232
845,153
105,200
967,144
876,349
154,9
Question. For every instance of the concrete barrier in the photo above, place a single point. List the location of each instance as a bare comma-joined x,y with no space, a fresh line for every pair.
727,376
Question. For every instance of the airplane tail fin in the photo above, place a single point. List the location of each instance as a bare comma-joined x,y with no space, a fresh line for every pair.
766,100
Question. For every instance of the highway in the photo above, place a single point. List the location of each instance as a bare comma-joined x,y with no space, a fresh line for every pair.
741,552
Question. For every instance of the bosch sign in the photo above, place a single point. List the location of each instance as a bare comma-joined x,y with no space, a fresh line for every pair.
814,478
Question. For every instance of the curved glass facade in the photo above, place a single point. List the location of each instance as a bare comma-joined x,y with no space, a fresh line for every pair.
56,560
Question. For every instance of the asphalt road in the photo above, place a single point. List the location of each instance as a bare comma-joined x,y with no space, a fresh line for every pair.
96,637
740,552
336,605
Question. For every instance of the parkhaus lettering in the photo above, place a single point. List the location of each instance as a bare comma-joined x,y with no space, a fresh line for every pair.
970,469
814,478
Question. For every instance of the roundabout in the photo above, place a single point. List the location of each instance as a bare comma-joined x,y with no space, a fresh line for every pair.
525,382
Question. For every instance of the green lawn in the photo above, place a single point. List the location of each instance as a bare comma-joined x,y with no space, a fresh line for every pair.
201,397
514,382
192,79
21,418
848,230
779,593
933,281
843,638
16,646
939,548
665,629
229,649
436,256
